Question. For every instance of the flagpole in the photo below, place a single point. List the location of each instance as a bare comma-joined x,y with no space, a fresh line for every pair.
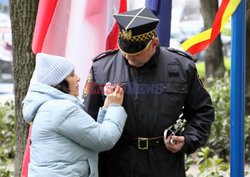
238,90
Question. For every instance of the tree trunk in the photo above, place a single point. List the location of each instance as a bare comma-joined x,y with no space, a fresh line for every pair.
214,62
23,16
248,58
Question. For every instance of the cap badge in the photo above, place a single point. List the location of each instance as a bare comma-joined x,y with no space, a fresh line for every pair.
127,34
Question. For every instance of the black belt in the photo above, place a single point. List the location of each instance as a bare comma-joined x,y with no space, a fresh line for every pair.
144,143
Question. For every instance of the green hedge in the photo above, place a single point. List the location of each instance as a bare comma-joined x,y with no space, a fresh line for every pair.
211,159
7,137
219,141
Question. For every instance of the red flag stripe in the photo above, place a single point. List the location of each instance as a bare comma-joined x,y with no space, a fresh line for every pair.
199,47
45,14
26,157
123,6
218,19
112,37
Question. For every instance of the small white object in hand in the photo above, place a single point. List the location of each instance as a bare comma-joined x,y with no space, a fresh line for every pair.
106,89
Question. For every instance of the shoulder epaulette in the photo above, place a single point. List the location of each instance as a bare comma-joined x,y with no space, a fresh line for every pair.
103,54
180,53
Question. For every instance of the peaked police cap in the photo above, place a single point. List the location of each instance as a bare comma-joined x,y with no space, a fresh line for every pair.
137,28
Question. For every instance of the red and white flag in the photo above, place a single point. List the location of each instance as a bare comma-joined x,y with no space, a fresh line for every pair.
78,30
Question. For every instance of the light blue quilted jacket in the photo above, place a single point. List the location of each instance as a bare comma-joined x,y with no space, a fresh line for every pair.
65,139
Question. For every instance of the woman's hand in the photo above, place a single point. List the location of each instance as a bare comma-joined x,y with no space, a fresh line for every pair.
114,97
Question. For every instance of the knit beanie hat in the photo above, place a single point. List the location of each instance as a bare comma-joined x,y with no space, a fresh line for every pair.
51,69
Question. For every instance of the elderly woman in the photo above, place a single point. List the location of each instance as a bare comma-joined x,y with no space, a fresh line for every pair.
65,140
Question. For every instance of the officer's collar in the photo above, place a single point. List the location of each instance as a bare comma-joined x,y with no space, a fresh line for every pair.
154,58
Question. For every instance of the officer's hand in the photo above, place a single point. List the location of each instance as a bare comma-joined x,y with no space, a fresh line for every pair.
178,143
114,98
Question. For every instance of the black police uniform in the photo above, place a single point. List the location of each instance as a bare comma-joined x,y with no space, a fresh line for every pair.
155,96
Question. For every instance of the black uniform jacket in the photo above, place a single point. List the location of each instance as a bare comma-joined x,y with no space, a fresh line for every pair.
155,95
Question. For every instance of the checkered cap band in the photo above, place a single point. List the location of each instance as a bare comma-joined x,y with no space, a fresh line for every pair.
138,38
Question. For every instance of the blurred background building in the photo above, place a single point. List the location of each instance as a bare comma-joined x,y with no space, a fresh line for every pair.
6,64
4,6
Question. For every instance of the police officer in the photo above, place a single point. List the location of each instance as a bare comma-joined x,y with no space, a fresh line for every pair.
159,84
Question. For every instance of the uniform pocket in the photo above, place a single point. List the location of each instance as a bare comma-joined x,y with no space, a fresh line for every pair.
173,98
172,102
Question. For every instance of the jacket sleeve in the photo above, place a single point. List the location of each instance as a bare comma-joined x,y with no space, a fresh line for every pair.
101,114
78,126
92,95
199,113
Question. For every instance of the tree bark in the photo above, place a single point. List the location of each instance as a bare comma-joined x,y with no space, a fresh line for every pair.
214,62
248,58
23,16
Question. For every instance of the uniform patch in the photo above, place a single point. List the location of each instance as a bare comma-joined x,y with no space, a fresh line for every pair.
173,70
87,86
200,81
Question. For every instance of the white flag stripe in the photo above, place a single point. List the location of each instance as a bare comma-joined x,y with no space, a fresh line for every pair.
114,7
54,42
86,37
